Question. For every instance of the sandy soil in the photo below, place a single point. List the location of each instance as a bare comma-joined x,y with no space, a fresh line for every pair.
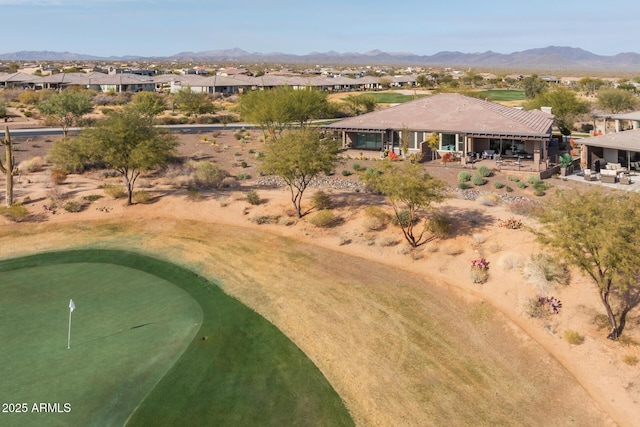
597,364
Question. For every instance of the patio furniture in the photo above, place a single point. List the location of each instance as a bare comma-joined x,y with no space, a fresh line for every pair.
609,176
588,176
488,154
625,179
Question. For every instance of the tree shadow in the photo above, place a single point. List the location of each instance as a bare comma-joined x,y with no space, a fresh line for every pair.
467,221
628,301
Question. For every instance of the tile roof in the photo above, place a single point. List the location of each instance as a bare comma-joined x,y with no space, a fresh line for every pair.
454,113
626,140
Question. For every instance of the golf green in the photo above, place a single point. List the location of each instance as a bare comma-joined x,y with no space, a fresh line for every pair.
151,344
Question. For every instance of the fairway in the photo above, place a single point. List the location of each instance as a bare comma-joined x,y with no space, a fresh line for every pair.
129,328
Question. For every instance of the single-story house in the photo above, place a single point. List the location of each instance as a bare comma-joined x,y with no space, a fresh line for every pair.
608,123
620,147
467,127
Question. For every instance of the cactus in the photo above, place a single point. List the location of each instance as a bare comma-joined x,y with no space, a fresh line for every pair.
8,166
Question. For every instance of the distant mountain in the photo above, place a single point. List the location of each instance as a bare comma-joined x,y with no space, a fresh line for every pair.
548,58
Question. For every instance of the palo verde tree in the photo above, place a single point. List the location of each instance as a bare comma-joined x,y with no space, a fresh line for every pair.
192,103
297,157
148,104
359,104
565,106
278,109
128,143
616,100
67,107
533,86
7,166
600,234
409,188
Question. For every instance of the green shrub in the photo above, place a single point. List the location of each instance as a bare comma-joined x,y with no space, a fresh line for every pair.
321,200
498,185
573,337
545,272
141,196
513,178
15,212
115,191
243,176
93,197
74,206
58,176
522,185
464,176
376,212
323,218
478,179
630,359
440,225
533,180
508,189
346,172
253,198
484,171
244,164
401,219
464,185
357,167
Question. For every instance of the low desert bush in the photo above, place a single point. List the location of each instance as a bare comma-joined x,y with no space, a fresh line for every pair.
92,197
498,185
464,185
388,241
253,198
511,223
573,337
524,207
401,219
58,176
373,223
343,240
141,196
35,164
484,171
346,172
75,206
115,191
513,178
464,176
630,359
478,238
478,179
206,174
243,176
510,261
544,272
416,255
321,200
541,307
324,218
15,212
430,248
490,199
451,250
440,225
357,167
522,185
229,182
265,219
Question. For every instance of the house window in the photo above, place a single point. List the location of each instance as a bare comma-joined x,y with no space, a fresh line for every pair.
448,141
369,141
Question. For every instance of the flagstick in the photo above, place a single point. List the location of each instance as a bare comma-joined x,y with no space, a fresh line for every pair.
69,335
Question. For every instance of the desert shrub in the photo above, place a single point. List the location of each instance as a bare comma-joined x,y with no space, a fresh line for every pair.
115,191
29,97
28,113
343,240
323,218
630,359
488,199
478,238
484,171
464,185
58,176
373,223
207,174
321,200
511,223
35,164
243,164
533,180
243,176
401,219
253,198
524,207
513,178
544,272
539,189
265,219
92,197
229,182
510,261
479,270
141,196
451,250
430,248
75,206
498,185
541,306
440,225
194,194
375,218
573,337
508,189
522,185
14,212
388,241
415,255
478,180
464,176
346,172
357,167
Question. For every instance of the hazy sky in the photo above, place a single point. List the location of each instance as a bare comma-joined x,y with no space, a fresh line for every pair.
167,27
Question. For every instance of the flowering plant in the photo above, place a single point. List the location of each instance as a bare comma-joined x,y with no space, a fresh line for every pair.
479,270
480,264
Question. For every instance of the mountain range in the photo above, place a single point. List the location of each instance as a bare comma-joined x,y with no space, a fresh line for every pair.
548,58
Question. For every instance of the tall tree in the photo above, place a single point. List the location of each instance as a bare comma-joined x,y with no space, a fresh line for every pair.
297,157
565,106
7,166
148,104
66,107
128,143
600,234
616,100
409,188
533,86
590,86
193,103
278,109
359,104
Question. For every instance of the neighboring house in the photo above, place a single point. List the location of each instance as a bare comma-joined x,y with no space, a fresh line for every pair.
612,123
619,147
466,127
18,80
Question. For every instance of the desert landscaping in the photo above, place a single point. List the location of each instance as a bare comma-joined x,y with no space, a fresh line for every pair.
377,318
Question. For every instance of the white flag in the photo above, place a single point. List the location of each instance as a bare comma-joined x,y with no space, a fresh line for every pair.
72,306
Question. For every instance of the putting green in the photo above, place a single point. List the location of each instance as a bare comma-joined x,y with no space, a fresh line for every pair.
151,344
